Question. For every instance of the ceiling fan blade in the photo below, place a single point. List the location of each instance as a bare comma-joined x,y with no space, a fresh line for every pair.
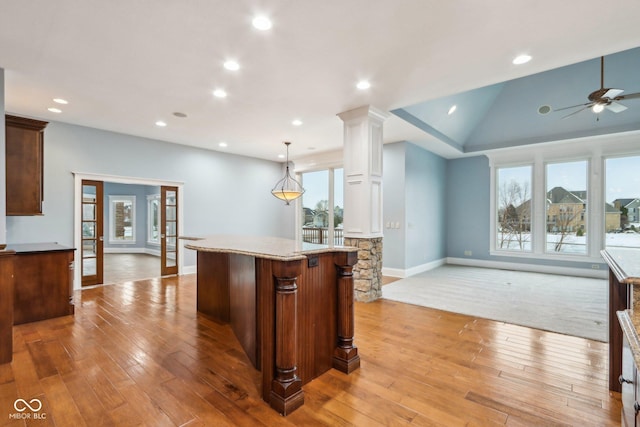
576,112
612,93
630,96
574,106
615,107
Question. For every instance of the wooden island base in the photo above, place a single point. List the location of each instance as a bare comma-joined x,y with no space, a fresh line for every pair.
293,315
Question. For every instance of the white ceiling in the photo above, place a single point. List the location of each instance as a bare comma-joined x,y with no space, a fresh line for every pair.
125,64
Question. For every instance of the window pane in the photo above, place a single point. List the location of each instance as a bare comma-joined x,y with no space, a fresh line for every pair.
566,208
513,228
88,229
121,219
89,267
315,206
622,207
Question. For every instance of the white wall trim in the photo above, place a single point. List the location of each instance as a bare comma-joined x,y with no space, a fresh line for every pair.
147,251
548,269
402,273
189,269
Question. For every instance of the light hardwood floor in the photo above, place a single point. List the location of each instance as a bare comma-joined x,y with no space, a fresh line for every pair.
120,268
139,354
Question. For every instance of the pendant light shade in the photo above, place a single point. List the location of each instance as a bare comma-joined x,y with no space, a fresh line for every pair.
287,188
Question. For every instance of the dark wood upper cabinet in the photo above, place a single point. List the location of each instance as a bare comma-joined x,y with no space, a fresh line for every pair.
25,173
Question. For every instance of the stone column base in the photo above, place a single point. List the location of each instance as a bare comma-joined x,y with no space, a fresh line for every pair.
367,273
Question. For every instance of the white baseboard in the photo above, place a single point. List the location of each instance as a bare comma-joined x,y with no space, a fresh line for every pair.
565,271
189,269
397,272
124,250
147,251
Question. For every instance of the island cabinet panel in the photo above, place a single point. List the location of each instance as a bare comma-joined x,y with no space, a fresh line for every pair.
43,282
213,285
6,306
24,165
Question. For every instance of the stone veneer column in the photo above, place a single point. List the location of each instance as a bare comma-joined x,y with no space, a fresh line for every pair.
363,197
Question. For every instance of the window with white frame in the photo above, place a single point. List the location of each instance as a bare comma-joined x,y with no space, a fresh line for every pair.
566,206
122,227
513,220
153,219
323,206
622,202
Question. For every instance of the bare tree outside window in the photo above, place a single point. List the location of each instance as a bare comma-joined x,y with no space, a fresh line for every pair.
567,207
514,208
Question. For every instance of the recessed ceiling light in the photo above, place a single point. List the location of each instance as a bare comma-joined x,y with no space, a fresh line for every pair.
262,23
452,109
363,84
297,122
60,101
160,123
222,144
219,93
521,59
281,156
231,65
54,110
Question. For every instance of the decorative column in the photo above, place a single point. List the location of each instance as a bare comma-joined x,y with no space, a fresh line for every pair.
363,196
345,355
286,387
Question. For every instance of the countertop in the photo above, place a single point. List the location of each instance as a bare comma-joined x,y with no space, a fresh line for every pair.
625,264
30,248
275,248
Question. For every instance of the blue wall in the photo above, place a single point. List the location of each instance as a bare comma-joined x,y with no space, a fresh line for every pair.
426,219
467,203
223,193
414,196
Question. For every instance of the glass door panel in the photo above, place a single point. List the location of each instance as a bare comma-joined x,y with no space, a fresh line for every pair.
169,228
92,240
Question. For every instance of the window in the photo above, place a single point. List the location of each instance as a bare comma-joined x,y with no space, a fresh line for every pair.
622,202
153,219
513,228
566,203
122,219
322,207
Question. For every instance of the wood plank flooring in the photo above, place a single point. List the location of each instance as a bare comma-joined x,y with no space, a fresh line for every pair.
139,354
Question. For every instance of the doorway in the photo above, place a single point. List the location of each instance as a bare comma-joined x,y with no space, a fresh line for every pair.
127,229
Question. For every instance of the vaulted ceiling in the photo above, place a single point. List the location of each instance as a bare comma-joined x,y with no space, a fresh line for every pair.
124,65
547,106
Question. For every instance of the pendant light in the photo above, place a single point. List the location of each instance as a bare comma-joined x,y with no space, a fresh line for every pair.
287,188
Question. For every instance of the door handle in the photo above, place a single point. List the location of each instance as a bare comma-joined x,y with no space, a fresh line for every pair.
101,238
162,236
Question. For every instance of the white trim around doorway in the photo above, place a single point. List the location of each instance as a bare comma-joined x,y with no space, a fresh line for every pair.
77,219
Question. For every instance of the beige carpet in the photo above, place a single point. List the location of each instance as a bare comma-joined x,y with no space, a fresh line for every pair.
568,305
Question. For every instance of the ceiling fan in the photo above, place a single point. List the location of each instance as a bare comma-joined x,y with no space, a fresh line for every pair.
603,98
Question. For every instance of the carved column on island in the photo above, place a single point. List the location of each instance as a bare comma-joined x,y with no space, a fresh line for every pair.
345,356
286,387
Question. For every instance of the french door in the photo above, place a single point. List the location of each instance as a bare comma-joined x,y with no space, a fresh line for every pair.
168,230
92,232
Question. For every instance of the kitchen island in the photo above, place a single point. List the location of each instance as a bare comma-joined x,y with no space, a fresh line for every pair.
624,324
289,304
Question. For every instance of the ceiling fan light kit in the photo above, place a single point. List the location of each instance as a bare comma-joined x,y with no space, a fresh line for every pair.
603,98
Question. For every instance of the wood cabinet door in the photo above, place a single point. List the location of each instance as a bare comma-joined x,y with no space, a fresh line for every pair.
24,165
91,261
168,230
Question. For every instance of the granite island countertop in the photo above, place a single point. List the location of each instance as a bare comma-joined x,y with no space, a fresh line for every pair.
276,248
625,264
